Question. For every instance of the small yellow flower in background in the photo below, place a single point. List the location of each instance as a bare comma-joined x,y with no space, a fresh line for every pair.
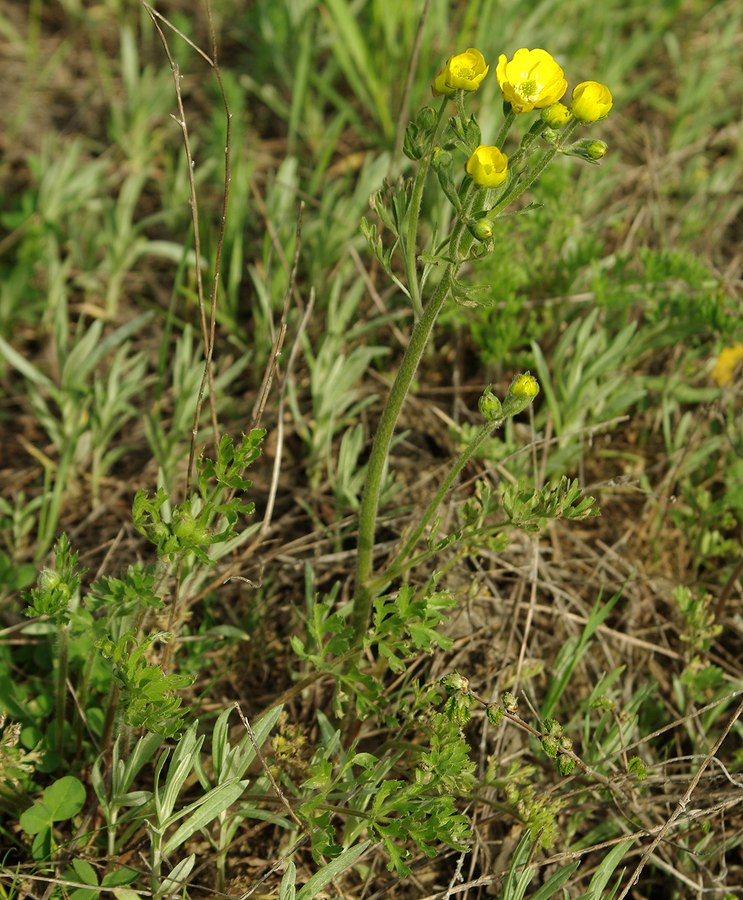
462,72
487,166
726,364
531,80
591,101
556,115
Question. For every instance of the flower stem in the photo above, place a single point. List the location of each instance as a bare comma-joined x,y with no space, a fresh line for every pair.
504,129
414,211
464,457
363,595
64,643
521,187
380,450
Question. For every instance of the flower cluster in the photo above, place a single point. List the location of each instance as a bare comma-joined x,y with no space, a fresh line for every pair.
530,80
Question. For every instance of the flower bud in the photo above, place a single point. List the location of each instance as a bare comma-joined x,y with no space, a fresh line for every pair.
510,703
591,101
587,149
189,531
481,229
596,149
487,166
426,118
440,159
50,580
524,388
455,682
556,115
491,409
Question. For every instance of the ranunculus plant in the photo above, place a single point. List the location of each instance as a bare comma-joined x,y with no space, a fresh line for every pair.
480,189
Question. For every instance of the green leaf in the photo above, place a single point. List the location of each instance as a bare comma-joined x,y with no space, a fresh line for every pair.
287,888
332,870
85,872
551,887
172,885
61,800
205,810
604,872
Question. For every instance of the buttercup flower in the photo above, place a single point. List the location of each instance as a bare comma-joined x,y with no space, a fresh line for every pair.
462,72
556,115
531,80
591,101
726,364
487,166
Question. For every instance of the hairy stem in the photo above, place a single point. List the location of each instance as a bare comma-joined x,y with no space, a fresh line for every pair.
383,438
411,273
64,643
464,457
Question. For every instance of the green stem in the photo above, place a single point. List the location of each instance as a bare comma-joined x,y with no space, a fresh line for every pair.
108,724
64,644
411,271
504,129
363,595
82,694
155,861
521,187
464,457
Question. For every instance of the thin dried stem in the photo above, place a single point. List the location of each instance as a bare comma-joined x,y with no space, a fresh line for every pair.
207,330
682,803
278,343
402,118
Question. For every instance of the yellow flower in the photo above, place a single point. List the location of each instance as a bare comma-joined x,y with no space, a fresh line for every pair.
556,115
591,101
487,166
531,80
726,364
462,72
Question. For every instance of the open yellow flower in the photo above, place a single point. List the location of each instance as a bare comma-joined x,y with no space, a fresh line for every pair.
727,363
591,101
531,80
462,72
487,166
